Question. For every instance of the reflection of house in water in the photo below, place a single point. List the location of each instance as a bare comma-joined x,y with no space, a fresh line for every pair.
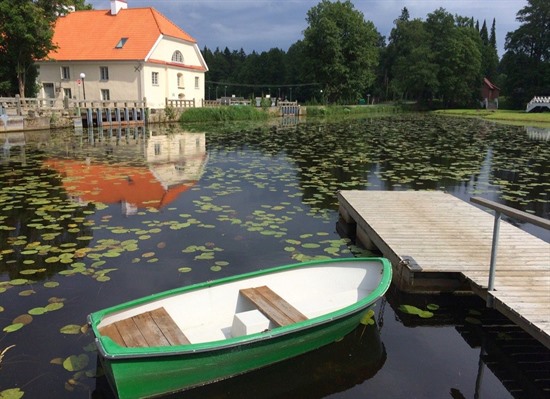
176,158
138,172
11,140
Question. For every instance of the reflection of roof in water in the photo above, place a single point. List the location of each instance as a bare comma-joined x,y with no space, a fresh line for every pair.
110,184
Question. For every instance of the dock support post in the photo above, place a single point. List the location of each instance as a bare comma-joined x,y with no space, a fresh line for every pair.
492,267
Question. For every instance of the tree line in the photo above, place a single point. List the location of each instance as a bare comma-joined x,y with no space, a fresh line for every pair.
341,58
441,60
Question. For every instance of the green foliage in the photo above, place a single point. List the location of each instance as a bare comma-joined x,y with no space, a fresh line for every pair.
340,110
223,114
170,113
437,59
341,49
27,33
526,63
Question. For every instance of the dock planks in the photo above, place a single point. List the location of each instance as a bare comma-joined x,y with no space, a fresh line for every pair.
428,235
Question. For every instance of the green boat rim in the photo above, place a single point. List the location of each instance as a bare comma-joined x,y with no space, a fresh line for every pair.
111,350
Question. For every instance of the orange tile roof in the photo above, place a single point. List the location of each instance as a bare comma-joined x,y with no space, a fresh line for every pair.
94,34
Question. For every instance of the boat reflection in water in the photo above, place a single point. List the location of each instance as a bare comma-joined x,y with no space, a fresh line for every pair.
333,368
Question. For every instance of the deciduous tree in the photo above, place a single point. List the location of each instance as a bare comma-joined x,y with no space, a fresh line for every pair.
526,63
343,48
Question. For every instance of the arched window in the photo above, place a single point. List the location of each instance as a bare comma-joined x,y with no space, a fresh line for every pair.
177,57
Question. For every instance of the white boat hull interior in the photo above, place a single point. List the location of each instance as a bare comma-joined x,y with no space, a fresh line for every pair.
220,312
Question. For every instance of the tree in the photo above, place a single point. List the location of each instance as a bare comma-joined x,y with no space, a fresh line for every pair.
413,71
26,35
457,52
343,47
526,62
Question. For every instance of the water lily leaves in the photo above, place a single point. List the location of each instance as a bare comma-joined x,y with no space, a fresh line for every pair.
19,281
12,393
13,327
23,319
51,284
413,310
76,362
184,269
367,318
37,311
71,329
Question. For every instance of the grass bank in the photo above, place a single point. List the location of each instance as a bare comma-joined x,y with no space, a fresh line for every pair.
223,114
501,115
350,110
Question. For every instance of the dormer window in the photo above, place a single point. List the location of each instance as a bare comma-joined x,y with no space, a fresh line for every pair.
121,42
177,57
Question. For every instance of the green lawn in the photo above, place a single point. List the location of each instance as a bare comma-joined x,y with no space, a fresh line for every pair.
501,115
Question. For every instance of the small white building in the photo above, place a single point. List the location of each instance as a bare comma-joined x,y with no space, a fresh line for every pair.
122,54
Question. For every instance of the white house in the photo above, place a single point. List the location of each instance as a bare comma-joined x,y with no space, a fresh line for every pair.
122,54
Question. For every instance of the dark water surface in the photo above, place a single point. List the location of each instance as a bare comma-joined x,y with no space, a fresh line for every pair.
91,219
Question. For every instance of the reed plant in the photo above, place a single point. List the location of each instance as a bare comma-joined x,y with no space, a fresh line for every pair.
223,114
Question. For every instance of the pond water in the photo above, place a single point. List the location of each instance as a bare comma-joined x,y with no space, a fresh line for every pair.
89,219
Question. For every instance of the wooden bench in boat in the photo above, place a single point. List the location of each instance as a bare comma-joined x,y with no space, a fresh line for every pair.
275,308
153,328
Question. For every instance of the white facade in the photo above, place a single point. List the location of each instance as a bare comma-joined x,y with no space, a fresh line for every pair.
129,80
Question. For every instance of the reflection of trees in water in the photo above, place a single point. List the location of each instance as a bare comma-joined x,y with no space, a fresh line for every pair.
38,217
406,152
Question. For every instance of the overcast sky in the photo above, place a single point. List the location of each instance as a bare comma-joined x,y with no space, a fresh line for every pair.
263,24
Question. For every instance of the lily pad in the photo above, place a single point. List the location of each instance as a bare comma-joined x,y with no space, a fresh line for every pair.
70,329
13,327
12,393
76,362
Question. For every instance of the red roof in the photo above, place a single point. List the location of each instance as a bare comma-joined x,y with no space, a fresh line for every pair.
110,184
94,34
490,84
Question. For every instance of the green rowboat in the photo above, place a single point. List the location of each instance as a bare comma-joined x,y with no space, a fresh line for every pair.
206,332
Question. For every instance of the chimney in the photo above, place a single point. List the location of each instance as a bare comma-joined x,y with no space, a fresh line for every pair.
117,5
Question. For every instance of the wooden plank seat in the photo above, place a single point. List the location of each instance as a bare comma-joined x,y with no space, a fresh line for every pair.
275,308
153,328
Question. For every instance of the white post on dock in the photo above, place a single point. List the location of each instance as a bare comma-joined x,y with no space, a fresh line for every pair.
492,266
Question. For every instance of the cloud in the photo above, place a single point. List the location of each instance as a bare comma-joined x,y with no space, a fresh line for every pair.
264,24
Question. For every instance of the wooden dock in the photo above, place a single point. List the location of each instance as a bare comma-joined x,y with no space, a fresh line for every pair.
437,242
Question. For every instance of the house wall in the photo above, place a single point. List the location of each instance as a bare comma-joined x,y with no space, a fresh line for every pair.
191,58
131,80
123,83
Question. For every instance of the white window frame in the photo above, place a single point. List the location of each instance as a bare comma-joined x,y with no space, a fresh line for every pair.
181,81
197,82
105,95
177,56
65,73
155,78
103,73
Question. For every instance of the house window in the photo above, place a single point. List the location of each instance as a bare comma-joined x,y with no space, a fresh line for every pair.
155,78
180,81
105,95
121,42
177,57
196,82
65,73
157,148
104,73
67,93
49,90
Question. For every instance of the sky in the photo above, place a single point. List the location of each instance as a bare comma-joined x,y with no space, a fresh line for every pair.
259,25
